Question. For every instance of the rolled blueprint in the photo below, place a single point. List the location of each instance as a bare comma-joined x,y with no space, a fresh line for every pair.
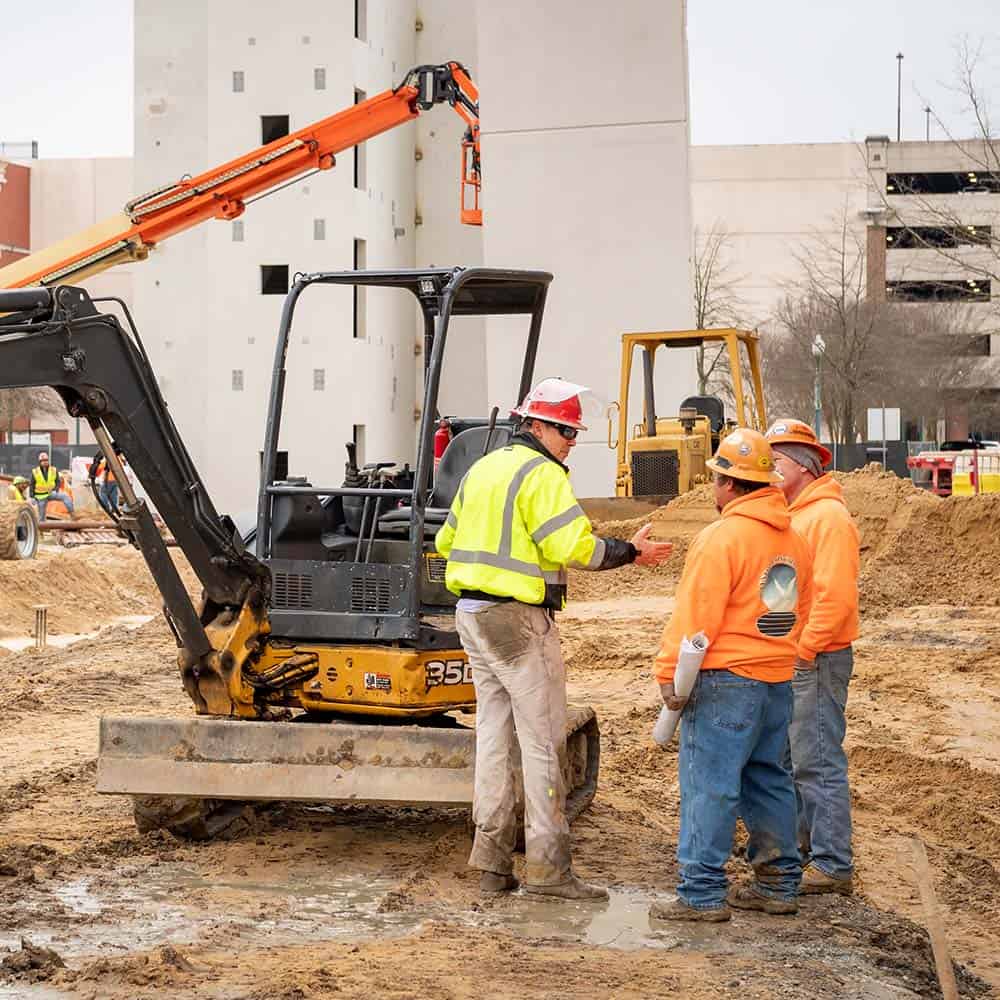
688,664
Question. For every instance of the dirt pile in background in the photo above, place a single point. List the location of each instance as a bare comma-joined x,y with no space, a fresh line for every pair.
916,548
83,588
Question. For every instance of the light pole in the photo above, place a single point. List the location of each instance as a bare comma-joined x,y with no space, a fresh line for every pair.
899,95
927,112
818,350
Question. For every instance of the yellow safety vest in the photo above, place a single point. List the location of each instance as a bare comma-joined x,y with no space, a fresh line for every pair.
514,527
44,485
14,493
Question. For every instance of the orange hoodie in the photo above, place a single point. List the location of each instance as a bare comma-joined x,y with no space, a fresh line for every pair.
820,515
747,585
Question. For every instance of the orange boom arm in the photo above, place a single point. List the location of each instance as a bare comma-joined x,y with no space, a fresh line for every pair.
223,192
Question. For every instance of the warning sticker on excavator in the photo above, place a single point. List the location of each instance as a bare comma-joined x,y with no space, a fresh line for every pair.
436,566
378,682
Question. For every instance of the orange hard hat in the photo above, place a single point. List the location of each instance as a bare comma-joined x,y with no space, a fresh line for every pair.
746,455
789,431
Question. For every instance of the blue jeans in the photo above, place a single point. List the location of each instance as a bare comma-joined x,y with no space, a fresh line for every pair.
734,732
816,738
109,491
58,495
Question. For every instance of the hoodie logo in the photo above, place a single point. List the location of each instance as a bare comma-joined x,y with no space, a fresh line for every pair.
779,590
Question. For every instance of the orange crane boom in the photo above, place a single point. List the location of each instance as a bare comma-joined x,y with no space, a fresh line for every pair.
223,191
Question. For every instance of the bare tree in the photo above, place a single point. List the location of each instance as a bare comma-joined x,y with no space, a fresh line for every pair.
716,300
27,405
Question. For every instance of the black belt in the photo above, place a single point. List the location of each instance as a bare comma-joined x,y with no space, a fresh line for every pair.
481,595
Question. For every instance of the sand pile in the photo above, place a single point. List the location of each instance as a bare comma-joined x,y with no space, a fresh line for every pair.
916,548
83,588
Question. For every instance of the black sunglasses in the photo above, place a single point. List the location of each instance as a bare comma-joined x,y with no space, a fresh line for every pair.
569,433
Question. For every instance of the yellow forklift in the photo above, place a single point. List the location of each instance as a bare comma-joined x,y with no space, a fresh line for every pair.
661,457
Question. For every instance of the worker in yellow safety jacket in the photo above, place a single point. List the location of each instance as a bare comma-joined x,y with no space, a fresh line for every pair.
18,490
512,531
45,486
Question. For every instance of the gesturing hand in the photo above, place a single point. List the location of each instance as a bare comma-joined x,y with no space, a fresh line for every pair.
650,553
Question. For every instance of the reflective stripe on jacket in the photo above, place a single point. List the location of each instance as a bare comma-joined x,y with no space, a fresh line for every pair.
514,527
44,485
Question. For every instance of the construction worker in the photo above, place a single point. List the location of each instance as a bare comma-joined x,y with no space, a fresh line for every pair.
45,486
18,490
108,487
746,586
825,657
512,531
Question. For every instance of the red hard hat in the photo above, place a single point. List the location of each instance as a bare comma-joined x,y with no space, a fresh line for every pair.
555,401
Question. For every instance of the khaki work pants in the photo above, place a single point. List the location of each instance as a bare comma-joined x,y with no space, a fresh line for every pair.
520,680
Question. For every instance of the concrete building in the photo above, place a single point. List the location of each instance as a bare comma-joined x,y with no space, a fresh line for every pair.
924,212
592,187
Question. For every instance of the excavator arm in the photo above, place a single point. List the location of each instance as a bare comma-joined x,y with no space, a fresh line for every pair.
56,337
224,191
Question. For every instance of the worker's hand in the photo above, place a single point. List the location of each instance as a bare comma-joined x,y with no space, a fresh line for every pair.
650,553
801,664
670,699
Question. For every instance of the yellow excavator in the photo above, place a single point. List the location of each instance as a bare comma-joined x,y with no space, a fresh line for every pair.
322,659
661,457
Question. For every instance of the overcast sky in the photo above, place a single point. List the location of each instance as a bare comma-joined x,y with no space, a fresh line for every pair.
762,71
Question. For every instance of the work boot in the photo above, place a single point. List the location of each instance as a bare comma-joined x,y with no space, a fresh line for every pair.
746,897
573,888
679,910
491,883
815,882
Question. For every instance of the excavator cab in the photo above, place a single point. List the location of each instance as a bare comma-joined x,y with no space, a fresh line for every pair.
660,457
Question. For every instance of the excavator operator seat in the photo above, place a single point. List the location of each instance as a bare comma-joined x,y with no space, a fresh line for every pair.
708,406
463,449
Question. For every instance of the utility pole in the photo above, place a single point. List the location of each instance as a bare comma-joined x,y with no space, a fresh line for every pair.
818,350
927,111
899,95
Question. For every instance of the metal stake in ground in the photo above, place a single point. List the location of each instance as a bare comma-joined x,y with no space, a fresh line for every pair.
939,943
41,626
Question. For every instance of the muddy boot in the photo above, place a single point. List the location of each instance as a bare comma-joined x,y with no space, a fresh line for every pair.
491,883
815,882
573,888
678,910
746,897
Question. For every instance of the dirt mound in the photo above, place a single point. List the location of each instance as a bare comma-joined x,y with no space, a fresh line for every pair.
916,548
83,588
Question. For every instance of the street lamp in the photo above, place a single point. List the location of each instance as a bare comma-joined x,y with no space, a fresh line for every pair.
818,350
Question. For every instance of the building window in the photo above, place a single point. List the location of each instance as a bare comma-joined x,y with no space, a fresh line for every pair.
237,380
319,78
319,379
970,290
360,262
319,229
272,127
238,81
944,237
274,279
944,182
238,230
360,157
361,20
359,443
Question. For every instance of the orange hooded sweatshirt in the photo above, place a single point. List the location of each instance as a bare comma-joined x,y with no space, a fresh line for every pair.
820,515
747,584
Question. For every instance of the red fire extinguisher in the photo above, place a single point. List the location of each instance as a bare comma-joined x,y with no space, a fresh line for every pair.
442,436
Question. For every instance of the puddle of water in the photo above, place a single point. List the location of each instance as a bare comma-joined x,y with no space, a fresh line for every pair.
61,641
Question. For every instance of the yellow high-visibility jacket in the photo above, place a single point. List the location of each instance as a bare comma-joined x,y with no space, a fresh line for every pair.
44,485
514,527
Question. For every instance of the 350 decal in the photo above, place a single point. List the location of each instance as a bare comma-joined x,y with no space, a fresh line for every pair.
448,672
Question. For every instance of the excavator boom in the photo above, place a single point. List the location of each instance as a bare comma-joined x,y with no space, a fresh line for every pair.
223,192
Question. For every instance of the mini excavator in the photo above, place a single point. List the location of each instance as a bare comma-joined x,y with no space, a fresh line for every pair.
322,659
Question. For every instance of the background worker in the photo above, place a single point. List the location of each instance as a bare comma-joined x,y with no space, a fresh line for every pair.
746,585
107,485
17,491
825,657
513,529
46,486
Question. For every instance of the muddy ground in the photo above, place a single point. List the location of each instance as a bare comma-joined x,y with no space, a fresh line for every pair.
318,902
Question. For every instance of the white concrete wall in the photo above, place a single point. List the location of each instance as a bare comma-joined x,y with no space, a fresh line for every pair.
198,298
585,163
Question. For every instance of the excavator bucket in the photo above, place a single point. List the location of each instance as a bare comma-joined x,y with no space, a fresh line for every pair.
182,770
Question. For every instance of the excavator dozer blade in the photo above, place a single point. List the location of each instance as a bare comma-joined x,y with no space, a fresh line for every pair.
622,508
217,759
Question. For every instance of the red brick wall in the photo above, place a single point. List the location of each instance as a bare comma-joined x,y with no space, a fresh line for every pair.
15,209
